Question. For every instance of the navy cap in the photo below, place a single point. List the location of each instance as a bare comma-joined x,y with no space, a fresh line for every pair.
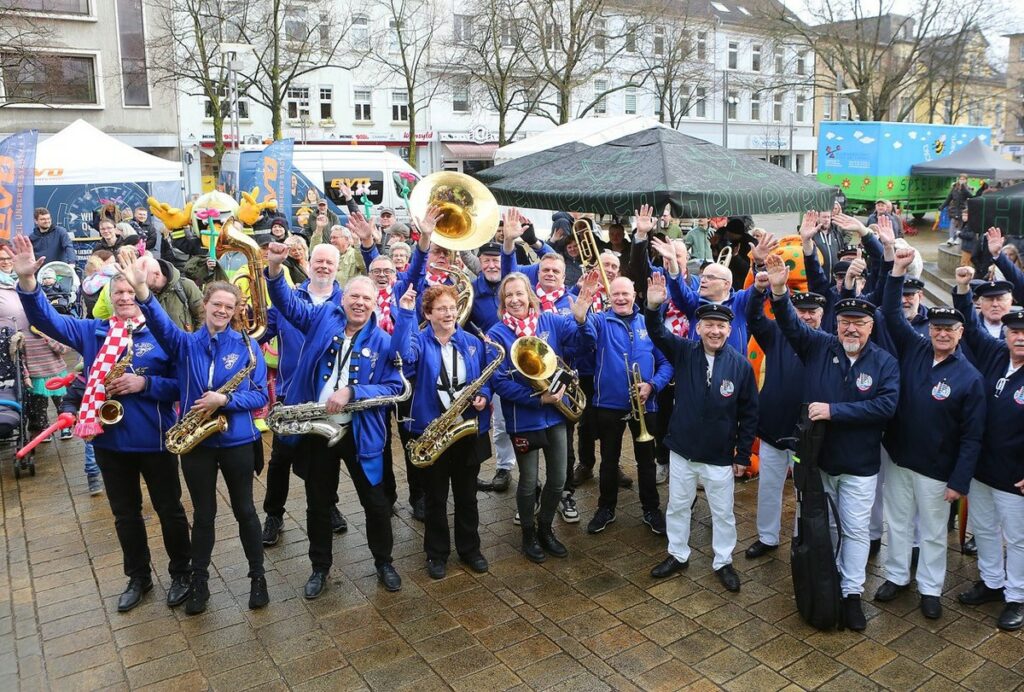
840,267
1014,319
855,306
945,316
808,300
714,311
912,285
991,289
490,249
848,251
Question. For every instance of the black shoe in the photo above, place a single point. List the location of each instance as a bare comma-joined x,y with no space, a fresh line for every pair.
387,576
602,518
338,522
979,593
197,600
483,485
258,594
1012,617
548,541
502,477
668,567
625,481
654,519
437,569
181,587
132,596
758,549
854,613
477,563
888,591
874,547
272,530
581,474
931,607
419,509
531,548
315,585
970,547
730,580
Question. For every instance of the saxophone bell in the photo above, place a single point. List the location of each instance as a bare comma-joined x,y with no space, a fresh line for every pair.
110,413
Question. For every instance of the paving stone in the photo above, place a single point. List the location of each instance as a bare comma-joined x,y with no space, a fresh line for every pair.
161,668
954,663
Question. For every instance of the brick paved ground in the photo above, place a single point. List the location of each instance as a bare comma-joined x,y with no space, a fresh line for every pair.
593,621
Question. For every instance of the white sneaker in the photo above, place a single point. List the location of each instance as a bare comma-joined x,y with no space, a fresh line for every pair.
567,508
661,474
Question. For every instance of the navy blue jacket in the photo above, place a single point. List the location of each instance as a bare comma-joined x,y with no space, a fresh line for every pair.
204,362
510,264
938,426
1001,463
371,371
617,341
1012,274
710,424
862,397
782,390
421,359
147,415
55,245
687,298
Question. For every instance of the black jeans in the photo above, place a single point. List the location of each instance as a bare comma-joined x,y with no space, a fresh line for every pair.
666,402
458,468
587,428
414,476
612,426
38,417
321,489
237,465
279,471
121,472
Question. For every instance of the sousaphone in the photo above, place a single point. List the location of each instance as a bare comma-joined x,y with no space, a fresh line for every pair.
469,213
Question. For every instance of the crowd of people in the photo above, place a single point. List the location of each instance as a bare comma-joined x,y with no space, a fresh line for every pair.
521,348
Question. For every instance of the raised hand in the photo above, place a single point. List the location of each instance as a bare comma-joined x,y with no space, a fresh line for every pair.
644,220
995,241
904,258
657,292
408,299
778,273
277,253
362,228
249,210
761,281
846,222
512,224
766,244
809,225
25,263
429,221
964,276
886,235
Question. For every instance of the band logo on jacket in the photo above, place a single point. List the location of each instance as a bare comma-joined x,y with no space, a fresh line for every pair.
941,391
864,382
372,355
1018,397
727,388
230,360
142,348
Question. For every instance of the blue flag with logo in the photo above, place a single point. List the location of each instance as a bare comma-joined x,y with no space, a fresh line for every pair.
274,174
17,181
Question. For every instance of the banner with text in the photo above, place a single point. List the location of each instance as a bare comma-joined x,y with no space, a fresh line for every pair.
274,174
17,178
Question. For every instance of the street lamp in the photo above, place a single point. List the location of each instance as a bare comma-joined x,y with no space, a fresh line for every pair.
231,51
726,102
837,101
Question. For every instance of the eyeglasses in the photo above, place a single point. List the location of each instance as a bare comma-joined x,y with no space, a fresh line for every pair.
852,323
445,309
382,272
944,327
713,278
6,258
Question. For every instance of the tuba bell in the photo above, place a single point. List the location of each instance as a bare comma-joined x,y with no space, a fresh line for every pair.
469,213
233,239
535,360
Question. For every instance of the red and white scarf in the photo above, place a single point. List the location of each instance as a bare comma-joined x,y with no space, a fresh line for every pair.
598,304
548,300
384,320
119,337
436,278
676,320
524,327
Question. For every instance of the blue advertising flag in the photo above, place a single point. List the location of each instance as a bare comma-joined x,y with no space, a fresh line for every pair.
274,175
17,179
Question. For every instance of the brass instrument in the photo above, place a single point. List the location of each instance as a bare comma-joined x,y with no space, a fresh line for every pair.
531,254
111,411
535,360
590,252
233,239
635,380
195,426
725,256
464,287
449,427
469,213
312,417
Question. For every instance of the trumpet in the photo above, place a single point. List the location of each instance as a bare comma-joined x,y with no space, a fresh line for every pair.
590,252
635,380
534,359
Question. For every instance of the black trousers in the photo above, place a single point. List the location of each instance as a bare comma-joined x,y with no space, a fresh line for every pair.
587,429
237,465
37,414
284,460
414,476
612,426
458,468
321,489
666,402
121,476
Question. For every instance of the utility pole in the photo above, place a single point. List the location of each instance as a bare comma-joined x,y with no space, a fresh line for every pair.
792,158
725,108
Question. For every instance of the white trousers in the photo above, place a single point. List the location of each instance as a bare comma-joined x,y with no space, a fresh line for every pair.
853,496
909,494
682,489
504,454
877,508
995,517
771,483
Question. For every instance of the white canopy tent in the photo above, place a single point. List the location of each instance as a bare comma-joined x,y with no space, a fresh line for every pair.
589,131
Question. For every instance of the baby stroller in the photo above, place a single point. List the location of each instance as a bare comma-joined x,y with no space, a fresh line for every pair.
62,286
13,422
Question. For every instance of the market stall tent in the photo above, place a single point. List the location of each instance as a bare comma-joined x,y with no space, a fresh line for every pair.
976,159
1001,209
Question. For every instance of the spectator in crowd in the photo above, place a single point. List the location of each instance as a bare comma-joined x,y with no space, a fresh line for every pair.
320,221
110,237
968,240
144,228
298,251
351,262
50,241
955,204
669,226
279,229
401,254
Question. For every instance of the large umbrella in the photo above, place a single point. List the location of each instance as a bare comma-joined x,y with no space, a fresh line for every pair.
1003,209
657,166
976,159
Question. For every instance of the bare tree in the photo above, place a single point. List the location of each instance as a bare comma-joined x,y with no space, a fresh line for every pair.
21,64
948,94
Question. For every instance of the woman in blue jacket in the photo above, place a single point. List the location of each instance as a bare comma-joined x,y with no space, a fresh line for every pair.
444,359
205,360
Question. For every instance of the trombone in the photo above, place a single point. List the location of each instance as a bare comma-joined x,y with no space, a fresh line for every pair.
635,380
590,252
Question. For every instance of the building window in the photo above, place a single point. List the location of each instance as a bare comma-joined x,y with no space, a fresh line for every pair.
49,78
400,106
1020,125
974,113
702,46
630,39
296,25
777,107
732,103
755,106
801,108
362,99
394,44
360,29
463,28
659,40
296,100
131,34
600,34
49,6
826,108
326,103
508,33
630,100
755,58
460,98
734,55
700,103
601,101
552,35
780,60
225,105
801,62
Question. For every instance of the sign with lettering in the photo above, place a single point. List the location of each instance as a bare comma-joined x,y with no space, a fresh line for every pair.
17,180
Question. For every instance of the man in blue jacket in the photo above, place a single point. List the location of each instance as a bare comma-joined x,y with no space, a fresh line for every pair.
997,506
711,431
933,445
1011,272
853,384
49,242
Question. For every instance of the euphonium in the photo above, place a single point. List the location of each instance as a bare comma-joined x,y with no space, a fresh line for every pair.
469,212
534,359
635,380
232,239
590,252
312,417
449,427
196,425
111,411
464,287
725,256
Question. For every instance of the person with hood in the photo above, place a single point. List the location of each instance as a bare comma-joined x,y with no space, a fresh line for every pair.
53,243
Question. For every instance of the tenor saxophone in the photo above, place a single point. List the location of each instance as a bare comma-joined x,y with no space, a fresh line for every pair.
449,428
302,419
197,425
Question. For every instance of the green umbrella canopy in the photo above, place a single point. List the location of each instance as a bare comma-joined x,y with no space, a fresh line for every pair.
657,166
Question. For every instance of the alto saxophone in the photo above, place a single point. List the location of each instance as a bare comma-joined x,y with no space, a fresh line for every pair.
197,425
302,419
111,411
449,428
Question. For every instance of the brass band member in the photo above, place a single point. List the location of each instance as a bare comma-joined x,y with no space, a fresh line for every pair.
206,362
134,446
